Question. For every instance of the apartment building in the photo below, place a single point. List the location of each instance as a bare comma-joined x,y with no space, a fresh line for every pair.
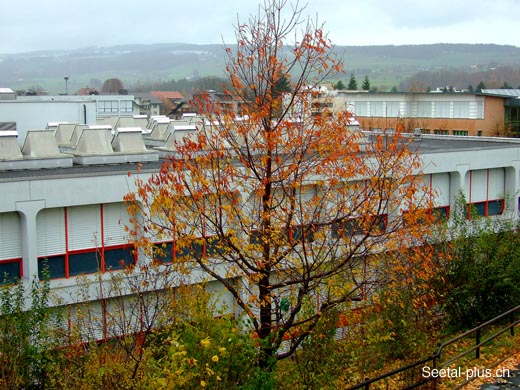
459,114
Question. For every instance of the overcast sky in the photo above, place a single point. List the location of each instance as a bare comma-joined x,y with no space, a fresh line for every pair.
27,25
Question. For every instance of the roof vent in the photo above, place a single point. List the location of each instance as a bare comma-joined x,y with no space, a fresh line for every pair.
40,143
63,133
177,135
39,151
128,139
9,148
94,141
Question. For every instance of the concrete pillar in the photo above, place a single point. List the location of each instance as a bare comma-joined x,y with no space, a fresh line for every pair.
28,211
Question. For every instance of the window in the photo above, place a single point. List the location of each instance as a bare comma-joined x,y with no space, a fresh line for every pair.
431,195
485,190
376,109
480,110
10,271
392,109
424,109
126,106
488,208
435,214
460,132
108,106
10,248
361,109
442,109
461,110
303,233
82,240
440,213
425,131
369,225
441,132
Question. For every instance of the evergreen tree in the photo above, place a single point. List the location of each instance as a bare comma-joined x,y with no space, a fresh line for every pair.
366,84
470,88
394,89
281,86
481,86
352,84
339,85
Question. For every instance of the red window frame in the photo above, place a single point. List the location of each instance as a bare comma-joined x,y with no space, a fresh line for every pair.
98,251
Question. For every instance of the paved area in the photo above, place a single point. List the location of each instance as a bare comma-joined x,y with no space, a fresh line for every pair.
507,383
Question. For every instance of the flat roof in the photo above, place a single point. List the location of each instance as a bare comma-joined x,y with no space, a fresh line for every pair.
422,144
451,143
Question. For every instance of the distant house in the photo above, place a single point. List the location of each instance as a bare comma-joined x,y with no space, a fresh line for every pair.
174,104
7,94
87,91
221,100
147,104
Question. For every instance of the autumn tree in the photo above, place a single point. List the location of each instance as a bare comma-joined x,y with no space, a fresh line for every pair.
112,85
290,212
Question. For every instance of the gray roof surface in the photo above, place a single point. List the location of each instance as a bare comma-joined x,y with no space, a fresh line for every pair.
502,92
420,144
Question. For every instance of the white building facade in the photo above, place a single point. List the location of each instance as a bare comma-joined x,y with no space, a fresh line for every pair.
72,220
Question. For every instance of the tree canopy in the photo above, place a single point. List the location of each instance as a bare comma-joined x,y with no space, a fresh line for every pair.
112,85
289,211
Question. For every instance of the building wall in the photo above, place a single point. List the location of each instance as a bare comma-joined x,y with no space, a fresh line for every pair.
453,114
34,115
76,221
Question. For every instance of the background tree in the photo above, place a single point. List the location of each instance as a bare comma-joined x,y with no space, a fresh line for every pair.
366,84
112,85
287,210
282,86
339,85
482,279
352,83
480,87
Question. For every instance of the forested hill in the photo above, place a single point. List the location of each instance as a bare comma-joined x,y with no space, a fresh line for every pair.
142,64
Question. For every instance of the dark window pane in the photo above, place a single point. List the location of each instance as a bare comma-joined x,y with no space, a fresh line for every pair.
350,227
119,258
480,208
182,253
307,232
379,223
495,207
213,246
9,272
197,248
440,213
55,266
255,237
163,253
83,263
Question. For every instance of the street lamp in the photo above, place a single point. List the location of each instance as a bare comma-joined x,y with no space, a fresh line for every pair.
66,78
